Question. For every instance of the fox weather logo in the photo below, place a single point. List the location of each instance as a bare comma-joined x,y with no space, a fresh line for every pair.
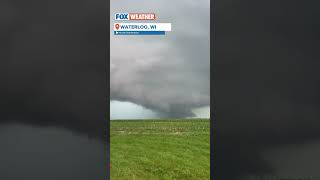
134,16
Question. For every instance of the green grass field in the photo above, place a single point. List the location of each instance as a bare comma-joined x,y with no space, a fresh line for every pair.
160,149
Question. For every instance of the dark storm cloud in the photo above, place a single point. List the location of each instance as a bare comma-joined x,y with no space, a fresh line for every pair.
53,65
266,81
49,153
53,72
169,74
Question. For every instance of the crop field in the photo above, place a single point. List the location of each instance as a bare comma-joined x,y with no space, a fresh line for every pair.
160,149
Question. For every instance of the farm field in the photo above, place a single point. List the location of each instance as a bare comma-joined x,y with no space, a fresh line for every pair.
160,149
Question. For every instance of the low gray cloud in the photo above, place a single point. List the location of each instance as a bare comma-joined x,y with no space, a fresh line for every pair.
169,74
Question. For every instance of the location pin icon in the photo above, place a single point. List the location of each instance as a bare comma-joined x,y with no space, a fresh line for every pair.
117,26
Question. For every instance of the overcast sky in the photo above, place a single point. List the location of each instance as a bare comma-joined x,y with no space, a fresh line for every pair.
162,76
